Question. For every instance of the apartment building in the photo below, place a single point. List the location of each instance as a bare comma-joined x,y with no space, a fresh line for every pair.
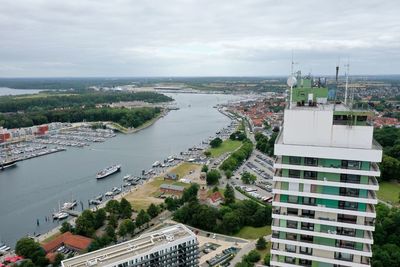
324,183
171,246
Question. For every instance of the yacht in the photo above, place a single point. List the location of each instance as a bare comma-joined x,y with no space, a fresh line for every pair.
108,171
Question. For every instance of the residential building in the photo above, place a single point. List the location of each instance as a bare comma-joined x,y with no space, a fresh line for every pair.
324,183
171,246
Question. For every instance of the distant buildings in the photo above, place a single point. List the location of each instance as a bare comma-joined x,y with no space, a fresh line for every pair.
325,184
171,246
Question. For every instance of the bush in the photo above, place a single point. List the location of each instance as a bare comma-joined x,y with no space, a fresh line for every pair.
261,243
213,177
216,142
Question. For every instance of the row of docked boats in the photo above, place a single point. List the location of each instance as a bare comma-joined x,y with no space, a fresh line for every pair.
4,248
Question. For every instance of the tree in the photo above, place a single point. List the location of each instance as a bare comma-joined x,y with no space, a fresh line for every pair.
207,153
213,177
57,260
153,210
125,209
261,243
228,174
66,227
129,226
99,218
248,178
190,194
390,168
30,249
171,203
84,224
231,223
267,259
113,207
122,231
26,263
229,194
113,221
253,256
110,231
142,218
216,142
215,189
204,168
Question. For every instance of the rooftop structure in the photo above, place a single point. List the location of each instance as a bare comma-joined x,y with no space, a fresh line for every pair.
324,184
171,246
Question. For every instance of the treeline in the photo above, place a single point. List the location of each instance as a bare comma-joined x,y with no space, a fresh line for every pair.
238,157
229,219
389,138
386,248
265,144
70,99
125,117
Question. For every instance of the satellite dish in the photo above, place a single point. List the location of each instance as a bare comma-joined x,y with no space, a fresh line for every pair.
291,81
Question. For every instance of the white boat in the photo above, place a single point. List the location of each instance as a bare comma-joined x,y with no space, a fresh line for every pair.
60,215
108,171
109,194
69,205
156,164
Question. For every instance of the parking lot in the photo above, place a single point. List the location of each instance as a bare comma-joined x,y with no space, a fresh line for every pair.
262,167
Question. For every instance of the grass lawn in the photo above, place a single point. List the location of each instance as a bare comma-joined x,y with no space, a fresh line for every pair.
389,192
249,232
226,146
183,169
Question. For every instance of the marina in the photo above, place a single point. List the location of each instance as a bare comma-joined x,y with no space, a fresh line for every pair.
59,175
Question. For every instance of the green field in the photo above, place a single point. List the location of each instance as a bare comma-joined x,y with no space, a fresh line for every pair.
226,146
249,232
389,192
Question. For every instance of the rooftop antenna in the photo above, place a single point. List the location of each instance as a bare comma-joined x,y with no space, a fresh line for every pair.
291,81
347,81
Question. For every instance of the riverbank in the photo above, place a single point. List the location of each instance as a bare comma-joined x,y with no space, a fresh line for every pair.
124,130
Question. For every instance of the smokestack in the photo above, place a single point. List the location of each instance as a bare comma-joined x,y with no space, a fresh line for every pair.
337,73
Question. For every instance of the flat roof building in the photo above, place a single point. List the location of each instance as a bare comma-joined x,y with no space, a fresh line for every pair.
324,184
171,246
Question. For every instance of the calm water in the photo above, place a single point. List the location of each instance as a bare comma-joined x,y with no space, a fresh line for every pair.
10,91
33,189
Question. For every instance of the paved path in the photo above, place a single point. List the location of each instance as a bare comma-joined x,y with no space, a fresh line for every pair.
246,249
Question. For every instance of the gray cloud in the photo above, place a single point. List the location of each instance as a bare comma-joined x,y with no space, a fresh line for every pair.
196,37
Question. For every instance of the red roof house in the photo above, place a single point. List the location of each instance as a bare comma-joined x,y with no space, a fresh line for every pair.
75,242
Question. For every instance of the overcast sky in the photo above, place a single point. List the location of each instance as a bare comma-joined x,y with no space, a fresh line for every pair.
197,38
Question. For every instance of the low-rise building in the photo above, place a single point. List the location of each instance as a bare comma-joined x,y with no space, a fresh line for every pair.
74,242
171,246
172,189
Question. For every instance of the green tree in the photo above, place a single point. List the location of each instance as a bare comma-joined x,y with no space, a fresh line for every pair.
30,249
190,194
142,218
215,189
113,207
248,178
253,256
122,231
99,218
261,243
84,224
58,258
207,153
204,168
216,142
112,220
171,203
213,177
26,263
228,174
390,168
267,259
229,194
153,210
125,209
110,231
231,223
66,227
129,225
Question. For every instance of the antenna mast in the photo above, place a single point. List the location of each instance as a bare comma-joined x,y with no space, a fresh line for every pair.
347,82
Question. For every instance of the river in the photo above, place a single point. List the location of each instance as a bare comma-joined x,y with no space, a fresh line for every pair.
33,189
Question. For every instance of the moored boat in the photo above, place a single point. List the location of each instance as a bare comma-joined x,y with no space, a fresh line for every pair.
108,171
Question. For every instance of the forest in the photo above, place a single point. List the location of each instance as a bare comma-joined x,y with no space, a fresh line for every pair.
66,99
123,116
